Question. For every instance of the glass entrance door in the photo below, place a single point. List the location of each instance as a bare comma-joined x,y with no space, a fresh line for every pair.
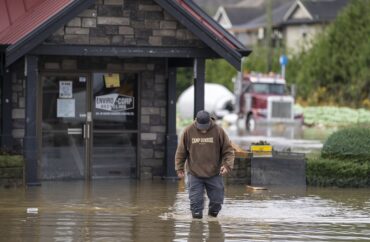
114,133
65,133
89,129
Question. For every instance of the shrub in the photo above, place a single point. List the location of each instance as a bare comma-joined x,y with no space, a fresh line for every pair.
350,143
335,172
10,158
11,161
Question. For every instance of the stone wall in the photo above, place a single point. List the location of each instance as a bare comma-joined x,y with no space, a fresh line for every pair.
125,23
241,173
153,120
18,105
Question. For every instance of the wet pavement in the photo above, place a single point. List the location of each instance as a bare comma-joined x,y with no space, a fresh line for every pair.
126,210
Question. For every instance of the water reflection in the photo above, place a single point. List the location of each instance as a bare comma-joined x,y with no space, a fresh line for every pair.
282,136
206,231
123,210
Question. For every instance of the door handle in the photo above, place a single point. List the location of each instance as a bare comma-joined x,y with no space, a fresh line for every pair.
86,130
74,131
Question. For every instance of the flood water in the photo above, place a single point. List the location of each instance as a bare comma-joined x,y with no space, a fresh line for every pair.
126,210
283,137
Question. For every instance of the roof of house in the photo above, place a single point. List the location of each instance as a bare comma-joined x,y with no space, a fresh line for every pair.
253,11
317,11
241,15
278,14
40,18
324,10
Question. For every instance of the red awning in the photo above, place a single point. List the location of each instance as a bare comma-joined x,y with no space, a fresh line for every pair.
21,17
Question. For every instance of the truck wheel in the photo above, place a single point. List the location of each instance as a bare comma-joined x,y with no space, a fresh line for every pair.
250,123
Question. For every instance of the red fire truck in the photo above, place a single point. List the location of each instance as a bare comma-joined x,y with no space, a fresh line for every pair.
265,99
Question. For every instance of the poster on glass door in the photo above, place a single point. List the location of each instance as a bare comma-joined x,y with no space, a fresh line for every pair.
66,108
65,89
115,105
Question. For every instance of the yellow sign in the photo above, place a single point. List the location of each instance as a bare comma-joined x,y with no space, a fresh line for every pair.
261,148
111,80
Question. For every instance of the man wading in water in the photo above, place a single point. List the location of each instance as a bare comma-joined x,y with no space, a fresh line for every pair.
209,155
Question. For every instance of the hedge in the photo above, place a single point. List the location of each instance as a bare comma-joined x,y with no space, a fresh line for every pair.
344,160
336,172
11,161
349,143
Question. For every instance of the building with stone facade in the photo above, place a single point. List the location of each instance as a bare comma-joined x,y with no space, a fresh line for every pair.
88,88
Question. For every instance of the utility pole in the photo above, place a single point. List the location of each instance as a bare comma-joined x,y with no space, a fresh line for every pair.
269,34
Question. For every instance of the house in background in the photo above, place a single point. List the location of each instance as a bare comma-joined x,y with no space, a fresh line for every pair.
233,17
294,22
88,87
305,19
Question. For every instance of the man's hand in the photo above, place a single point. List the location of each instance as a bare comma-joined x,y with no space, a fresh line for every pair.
180,174
224,170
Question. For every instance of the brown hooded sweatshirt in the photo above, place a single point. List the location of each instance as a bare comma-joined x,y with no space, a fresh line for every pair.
204,153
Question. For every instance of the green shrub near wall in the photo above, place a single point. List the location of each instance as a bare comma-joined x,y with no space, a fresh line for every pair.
11,170
11,161
344,160
336,172
350,143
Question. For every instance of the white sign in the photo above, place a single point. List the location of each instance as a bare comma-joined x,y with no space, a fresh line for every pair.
114,102
82,79
65,108
65,89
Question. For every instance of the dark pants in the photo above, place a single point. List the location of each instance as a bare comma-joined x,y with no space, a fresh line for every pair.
215,192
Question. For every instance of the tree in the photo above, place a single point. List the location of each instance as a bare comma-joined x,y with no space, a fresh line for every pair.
221,72
217,71
257,61
336,68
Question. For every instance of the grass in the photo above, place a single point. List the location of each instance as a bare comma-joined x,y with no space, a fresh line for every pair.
335,116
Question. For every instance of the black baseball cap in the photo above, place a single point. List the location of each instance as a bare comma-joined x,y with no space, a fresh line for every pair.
203,120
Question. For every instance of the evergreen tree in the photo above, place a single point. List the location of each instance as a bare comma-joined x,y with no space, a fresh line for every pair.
337,67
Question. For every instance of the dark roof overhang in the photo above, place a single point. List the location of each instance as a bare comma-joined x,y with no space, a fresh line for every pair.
3,48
